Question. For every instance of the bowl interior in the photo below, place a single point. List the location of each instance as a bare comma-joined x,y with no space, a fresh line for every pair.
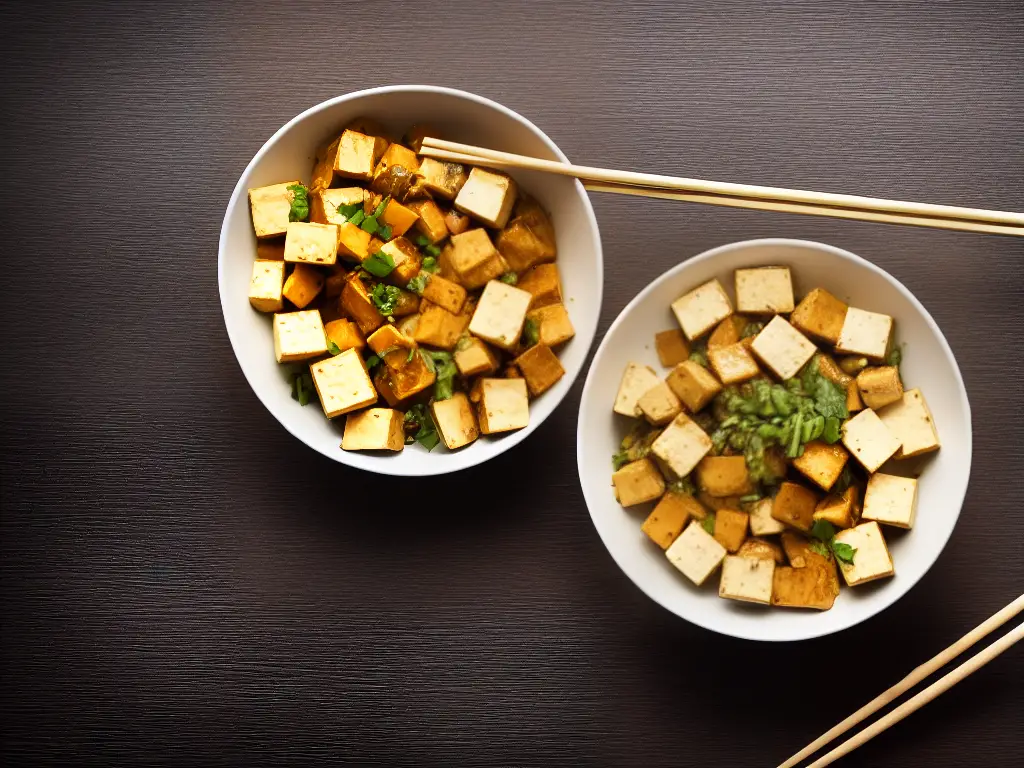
928,364
289,154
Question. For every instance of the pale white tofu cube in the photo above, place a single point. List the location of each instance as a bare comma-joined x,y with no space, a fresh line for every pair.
871,559
311,243
487,196
270,207
783,348
299,336
682,445
747,578
455,421
343,383
659,404
764,291
911,423
375,429
266,288
702,309
696,553
761,521
867,438
504,405
637,379
500,314
890,499
865,333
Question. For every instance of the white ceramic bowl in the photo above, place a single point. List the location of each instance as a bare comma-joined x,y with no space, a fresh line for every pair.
460,116
928,363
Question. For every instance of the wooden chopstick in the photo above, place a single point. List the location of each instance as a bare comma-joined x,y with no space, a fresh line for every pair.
618,181
920,673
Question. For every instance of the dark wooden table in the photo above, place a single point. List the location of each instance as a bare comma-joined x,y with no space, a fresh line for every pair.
183,582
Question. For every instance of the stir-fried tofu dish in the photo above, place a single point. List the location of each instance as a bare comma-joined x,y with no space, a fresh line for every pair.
417,299
771,447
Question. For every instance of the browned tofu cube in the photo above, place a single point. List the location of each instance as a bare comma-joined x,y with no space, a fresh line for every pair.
443,179
544,283
302,285
761,549
473,357
801,553
475,259
529,238
353,243
311,243
668,519
356,304
456,222
266,287
344,334
822,463
445,293
880,386
854,402
382,383
820,315
553,324
505,406
430,223
375,429
455,421
487,196
399,217
731,528
438,327
727,332
322,175
637,482
840,510
391,345
802,588
794,505
357,154
407,259
716,503
298,336
724,476
540,367
270,249
343,383
672,347
733,364
659,404
412,378
398,155
694,385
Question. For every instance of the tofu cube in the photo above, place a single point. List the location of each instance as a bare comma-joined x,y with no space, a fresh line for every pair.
446,294
397,155
747,578
407,259
820,315
487,196
298,336
840,510
659,404
322,175
783,348
270,249
761,549
693,384
400,218
879,387
356,304
475,259
636,381
727,332
733,364
803,588
794,505
910,422
702,309
761,521
544,284
455,421
504,405
637,483
853,399
270,207
891,500
724,476
670,515
384,341
671,347
822,462
731,528
696,553
553,324
438,327
869,440
345,334
764,290
529,238
865,333
302,285
430,223
343,383
323,204
871,559
375,429
682,445
443,179
540,368
799,552
412,378
474,357
385,387
353,242
266,288
500,314
356,155
311,243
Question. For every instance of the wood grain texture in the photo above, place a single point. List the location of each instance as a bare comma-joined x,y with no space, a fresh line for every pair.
184,583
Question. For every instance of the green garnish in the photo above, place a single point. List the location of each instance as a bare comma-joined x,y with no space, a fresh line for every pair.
832,432
463,343
818,547
683,485
357,217
895,357
443,366
750,498
333,348
708,523
379,264
824,534
385,298
302,387
411,355
299,210
636,445
385,232
509,278
433,250
369,224
843,552
620,459
843,482
823,530
418,418
531,333
752,329
429,264
418,283
699,357
421,241
372,362
349,210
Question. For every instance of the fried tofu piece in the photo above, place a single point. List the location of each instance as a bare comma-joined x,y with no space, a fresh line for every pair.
718,503
761,521
445,293
761,549
638,482
693,384
802,588
727,332
724,476
356,304
385,388
820,315
544,284
853,399
303,285
869,440
443,179
871,559
412,378
408,304
659,404
764,290
455,421
375,429
474,358
747,578
354,244
487,196
384,341
865,333
438,327
524,245
636,381
670,515
475,259
911,423
407,259
324,203
270,207
783,348
311,243
540,367
822,463
799,551
343,383
702,309
671,347
266,287
456,222
681,445
794,505
504,405
399,217
733,364
356,155
396,154
731,528
345,334
839,509
891,500
430,223
500,314
553,324
270,249
880,386
334,283
695,553
298,336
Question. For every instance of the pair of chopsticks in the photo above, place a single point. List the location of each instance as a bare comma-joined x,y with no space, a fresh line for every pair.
740,195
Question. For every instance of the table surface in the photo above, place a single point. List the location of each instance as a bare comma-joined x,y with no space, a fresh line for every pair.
184,582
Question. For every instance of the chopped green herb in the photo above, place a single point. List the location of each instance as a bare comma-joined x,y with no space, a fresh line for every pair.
385,298
333,348
823,530
429,264
509,278
369,224
411,355
357,217
379,264
385,232
752,329
433,250
832,432
531,333
844,481
818,547
299,210
750,498
895,357
620,459
699,357
302,387
683,485
349,210
708,523
418,283
420,427
372,362
379,210
421,241
843,552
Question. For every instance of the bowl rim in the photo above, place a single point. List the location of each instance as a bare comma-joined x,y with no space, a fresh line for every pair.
508,442
709,255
